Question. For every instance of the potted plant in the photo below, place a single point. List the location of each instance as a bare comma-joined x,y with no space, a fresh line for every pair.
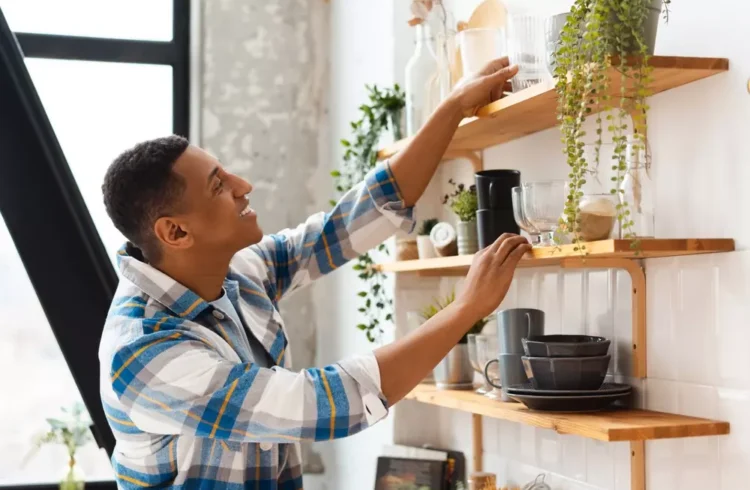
71,429
600,40
463,202
424,245
454,372
382,113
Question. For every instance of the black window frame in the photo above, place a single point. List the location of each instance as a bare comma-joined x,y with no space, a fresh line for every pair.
56,198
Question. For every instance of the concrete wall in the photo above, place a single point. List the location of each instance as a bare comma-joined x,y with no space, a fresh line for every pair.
262,113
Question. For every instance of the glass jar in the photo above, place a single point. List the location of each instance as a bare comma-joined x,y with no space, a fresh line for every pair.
637,191
420,69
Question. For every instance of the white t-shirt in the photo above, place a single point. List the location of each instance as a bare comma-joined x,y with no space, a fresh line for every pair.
223,304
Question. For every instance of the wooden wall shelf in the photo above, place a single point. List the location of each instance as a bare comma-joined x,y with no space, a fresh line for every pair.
535,109
610,426
565,255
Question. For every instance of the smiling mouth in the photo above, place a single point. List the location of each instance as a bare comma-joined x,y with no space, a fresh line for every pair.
247,211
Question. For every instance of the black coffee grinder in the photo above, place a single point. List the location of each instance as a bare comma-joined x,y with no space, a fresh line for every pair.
495,211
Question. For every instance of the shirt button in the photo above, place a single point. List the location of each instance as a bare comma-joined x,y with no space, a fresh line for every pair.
266,446
218,315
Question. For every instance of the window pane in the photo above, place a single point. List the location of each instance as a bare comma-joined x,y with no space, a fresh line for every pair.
28,346
97,110
131,19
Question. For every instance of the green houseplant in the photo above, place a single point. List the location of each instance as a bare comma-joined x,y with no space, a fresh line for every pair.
463,202
380,114
454,371
70,429
424,244
603,41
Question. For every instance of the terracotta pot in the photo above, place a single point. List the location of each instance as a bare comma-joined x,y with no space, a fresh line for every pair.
407,249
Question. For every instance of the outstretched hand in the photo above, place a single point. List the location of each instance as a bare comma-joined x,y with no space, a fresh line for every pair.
485,86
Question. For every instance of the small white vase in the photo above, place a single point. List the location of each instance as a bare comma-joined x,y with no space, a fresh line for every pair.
425,247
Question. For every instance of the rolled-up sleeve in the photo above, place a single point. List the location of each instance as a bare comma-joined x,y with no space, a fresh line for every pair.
173,383
366,215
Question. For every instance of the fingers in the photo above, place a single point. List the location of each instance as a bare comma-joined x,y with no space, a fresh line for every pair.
495,65
492,249
507,247
515,256
503,75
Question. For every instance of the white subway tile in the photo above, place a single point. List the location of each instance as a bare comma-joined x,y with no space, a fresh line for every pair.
572,307
621,349
599,310
698,468
695,330
732,311
733,406
622,459
573,449
527,445
663,459
550,301
662,395
697,400
490,441
509,439
548,450
600,469
661,311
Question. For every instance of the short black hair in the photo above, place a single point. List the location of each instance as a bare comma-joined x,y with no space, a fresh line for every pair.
140,187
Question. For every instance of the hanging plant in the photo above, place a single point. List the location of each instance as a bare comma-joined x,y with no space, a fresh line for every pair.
382,113
601,37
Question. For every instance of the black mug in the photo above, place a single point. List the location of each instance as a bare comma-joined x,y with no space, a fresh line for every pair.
491,223
494,188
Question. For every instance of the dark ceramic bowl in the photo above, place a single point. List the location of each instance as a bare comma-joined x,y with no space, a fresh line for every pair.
566,373
565,346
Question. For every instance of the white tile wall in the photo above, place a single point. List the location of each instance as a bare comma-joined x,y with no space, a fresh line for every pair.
698,307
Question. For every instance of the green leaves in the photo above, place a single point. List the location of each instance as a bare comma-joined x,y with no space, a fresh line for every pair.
595,31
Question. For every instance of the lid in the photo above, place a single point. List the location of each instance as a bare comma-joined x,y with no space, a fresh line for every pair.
442,234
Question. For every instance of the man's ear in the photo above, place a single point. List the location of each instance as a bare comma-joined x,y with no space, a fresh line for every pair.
173,233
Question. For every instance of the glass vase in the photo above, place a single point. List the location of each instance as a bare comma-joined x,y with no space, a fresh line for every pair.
420,70
636,190
72,477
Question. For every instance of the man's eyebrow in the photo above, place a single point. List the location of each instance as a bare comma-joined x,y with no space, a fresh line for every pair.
212,174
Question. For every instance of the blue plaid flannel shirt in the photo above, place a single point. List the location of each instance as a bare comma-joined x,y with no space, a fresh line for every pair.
187,405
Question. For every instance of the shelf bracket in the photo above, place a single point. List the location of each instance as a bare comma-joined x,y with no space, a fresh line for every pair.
475,157
638,295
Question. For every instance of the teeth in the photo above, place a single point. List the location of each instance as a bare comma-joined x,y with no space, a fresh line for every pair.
246,210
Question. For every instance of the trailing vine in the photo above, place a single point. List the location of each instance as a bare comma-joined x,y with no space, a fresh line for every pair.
598,36
380,114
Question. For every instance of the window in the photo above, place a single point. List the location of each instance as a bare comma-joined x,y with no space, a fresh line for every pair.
109,74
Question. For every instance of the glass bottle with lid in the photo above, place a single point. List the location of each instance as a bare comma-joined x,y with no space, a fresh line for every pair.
420,71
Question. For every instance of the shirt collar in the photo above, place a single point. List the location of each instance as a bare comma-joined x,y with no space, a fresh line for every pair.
183,302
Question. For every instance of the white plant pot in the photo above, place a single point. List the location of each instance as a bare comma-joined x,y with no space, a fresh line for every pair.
425,247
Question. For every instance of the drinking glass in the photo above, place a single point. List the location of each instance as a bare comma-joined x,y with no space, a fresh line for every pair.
472,345
521,220
528,49
487,349
543,205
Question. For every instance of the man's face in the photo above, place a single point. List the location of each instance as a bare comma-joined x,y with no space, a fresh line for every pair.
215,217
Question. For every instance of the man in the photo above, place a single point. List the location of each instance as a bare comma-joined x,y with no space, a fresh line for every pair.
194,359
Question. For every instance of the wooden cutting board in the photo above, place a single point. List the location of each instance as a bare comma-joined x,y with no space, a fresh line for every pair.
488,14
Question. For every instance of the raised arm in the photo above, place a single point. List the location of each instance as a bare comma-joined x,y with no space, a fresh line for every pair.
375,209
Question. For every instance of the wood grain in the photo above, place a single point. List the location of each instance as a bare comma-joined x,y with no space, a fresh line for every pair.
617,425
477,441
565,255
535,109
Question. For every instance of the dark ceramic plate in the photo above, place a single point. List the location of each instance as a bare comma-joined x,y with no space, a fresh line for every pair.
606,389
569,403
565,346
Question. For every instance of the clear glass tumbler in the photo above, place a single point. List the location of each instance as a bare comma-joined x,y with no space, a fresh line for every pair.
528,49
543,205
488,349
521,220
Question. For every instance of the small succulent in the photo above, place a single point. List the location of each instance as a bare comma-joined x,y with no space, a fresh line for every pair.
462,201
439,305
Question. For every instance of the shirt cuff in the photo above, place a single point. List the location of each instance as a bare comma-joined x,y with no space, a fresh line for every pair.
386,194
364,369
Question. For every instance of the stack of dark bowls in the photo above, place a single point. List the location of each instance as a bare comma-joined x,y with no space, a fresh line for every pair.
567,373
495,204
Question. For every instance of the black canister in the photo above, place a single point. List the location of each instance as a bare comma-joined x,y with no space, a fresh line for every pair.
493,188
